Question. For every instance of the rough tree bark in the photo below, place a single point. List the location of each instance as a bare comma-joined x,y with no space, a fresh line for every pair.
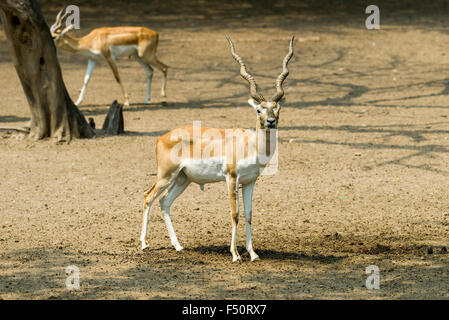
53,113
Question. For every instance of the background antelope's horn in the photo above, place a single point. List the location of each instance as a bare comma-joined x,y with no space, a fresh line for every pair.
58,17
245,75
280,80
67,29
59,20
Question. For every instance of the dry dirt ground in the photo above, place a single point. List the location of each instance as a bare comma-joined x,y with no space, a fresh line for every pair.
363,176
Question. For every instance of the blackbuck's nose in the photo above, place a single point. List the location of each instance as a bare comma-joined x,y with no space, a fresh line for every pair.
271,122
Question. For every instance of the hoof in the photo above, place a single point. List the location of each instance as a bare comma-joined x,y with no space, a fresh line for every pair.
143,246
237,259
164,103
178,248
255,257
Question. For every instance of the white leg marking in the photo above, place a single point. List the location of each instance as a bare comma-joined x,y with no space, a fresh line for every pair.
237,200
145,226
171,230
90,69
235,254
247,204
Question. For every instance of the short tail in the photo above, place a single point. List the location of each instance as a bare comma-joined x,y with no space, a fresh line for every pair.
149,190
162,189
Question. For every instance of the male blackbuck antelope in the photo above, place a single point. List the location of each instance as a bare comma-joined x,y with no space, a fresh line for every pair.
206,155
109,43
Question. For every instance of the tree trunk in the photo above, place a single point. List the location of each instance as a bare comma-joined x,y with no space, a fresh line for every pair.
53,113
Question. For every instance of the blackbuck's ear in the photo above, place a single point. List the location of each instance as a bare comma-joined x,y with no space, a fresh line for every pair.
254,104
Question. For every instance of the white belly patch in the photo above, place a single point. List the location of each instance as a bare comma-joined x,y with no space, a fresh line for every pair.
205,170
118,51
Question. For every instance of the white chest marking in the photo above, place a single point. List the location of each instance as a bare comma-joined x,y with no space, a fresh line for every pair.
248,170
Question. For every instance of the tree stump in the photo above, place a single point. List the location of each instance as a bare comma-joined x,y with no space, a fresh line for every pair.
113,123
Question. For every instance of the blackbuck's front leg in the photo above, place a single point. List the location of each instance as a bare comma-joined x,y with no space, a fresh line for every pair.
247,192
90,69
233,189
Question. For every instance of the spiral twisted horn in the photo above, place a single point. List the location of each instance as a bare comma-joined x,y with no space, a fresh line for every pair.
245,75
280,80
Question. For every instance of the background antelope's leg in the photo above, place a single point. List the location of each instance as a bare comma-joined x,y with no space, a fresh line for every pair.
90,69
150,195
114,69
153,61
163,84
149,71
247,192
166,201
233,196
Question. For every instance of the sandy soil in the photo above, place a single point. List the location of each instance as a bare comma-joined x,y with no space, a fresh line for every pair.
363,175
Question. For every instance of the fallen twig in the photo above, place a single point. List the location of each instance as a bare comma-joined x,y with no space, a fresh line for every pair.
24,130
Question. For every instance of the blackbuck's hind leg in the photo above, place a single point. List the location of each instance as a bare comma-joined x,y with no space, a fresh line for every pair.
247,192
150,195
149,71
233,189
90,69
113,66
166,201
153,61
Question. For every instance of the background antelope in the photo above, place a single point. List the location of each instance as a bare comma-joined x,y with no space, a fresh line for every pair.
215,163
110,43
